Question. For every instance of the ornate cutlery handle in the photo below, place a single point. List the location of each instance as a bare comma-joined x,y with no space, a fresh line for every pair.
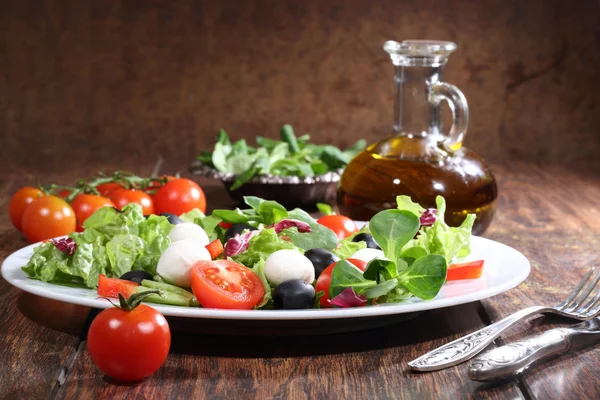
468,346
512,359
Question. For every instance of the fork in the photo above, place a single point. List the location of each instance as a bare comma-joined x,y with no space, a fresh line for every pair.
462,349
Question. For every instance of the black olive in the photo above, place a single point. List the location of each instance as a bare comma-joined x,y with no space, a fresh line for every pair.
173,219
320,259
294,294
136,276
237,229
368,239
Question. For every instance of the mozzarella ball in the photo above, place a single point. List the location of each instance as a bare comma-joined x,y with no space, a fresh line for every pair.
368,254
284,265
189,231
176,262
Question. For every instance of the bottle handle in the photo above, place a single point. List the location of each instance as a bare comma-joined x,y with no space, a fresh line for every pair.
460,113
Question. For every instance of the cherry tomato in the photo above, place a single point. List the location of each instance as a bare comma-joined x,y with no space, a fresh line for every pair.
122,197
156,184
226,284
179,196
47,217
111,287
324,280
106,188
468,270
85,205
341,225
19,202
129,345
64,193
215,248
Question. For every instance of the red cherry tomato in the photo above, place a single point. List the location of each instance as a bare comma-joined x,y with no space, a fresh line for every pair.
122,197
85,205
19,202
106,188
179,196
64,193
215,248
156,184
47,217
111,287
469,270
341,225
324,280
129,345
226,284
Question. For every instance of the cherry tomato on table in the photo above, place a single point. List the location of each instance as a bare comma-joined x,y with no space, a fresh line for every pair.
19,202
226,284
129,345
179,196
341,225
85,205
47,217
122,197
106,188
324,280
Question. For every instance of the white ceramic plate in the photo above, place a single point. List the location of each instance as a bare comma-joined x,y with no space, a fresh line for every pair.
504,268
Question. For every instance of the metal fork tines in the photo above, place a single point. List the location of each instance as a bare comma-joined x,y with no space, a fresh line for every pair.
577,305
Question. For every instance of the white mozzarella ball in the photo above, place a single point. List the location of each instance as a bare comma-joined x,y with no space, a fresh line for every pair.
284,265
189,231
176,262
368,254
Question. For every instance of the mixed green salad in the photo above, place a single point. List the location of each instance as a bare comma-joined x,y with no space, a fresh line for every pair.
261,257
290,156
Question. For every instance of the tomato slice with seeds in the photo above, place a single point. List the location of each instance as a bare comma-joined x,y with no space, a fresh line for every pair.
226,284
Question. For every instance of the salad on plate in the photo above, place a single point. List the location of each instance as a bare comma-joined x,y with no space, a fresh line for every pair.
260,257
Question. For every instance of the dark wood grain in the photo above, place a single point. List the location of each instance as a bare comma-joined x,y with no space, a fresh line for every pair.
127,80
552,215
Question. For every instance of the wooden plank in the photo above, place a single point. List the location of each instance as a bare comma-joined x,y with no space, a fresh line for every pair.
357,365
552,215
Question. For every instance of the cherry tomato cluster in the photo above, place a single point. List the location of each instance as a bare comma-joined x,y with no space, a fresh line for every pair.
47,212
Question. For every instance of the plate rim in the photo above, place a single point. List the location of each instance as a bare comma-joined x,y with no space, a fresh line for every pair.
41,289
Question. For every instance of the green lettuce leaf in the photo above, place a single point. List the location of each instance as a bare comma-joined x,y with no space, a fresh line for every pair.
262,246
192,216
347,248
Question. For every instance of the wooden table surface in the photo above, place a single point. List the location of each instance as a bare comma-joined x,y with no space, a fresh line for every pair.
549,213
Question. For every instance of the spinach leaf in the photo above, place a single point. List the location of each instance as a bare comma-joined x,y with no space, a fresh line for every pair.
392,229
287,135
381,289
235,217
271,211
425,277
377,269
345,275
321,236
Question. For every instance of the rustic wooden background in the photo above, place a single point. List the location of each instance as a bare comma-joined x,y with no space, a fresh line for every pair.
106,84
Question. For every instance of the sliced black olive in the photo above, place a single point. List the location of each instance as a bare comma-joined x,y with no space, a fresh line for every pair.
294,294
173,219
136,276
237,229
368,239
320,259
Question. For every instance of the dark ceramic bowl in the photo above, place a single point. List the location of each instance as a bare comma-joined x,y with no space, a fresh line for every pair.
289,191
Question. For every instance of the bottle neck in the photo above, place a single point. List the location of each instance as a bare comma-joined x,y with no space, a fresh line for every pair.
414,114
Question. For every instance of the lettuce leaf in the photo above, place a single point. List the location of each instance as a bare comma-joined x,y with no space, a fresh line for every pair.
347,248
439,238
262,246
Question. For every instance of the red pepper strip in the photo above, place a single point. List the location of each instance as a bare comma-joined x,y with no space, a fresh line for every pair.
215,248
111,287
469,270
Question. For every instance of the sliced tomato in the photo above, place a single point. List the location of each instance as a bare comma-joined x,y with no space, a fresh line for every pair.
469,270
324,280
226,284
111,287
215,248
